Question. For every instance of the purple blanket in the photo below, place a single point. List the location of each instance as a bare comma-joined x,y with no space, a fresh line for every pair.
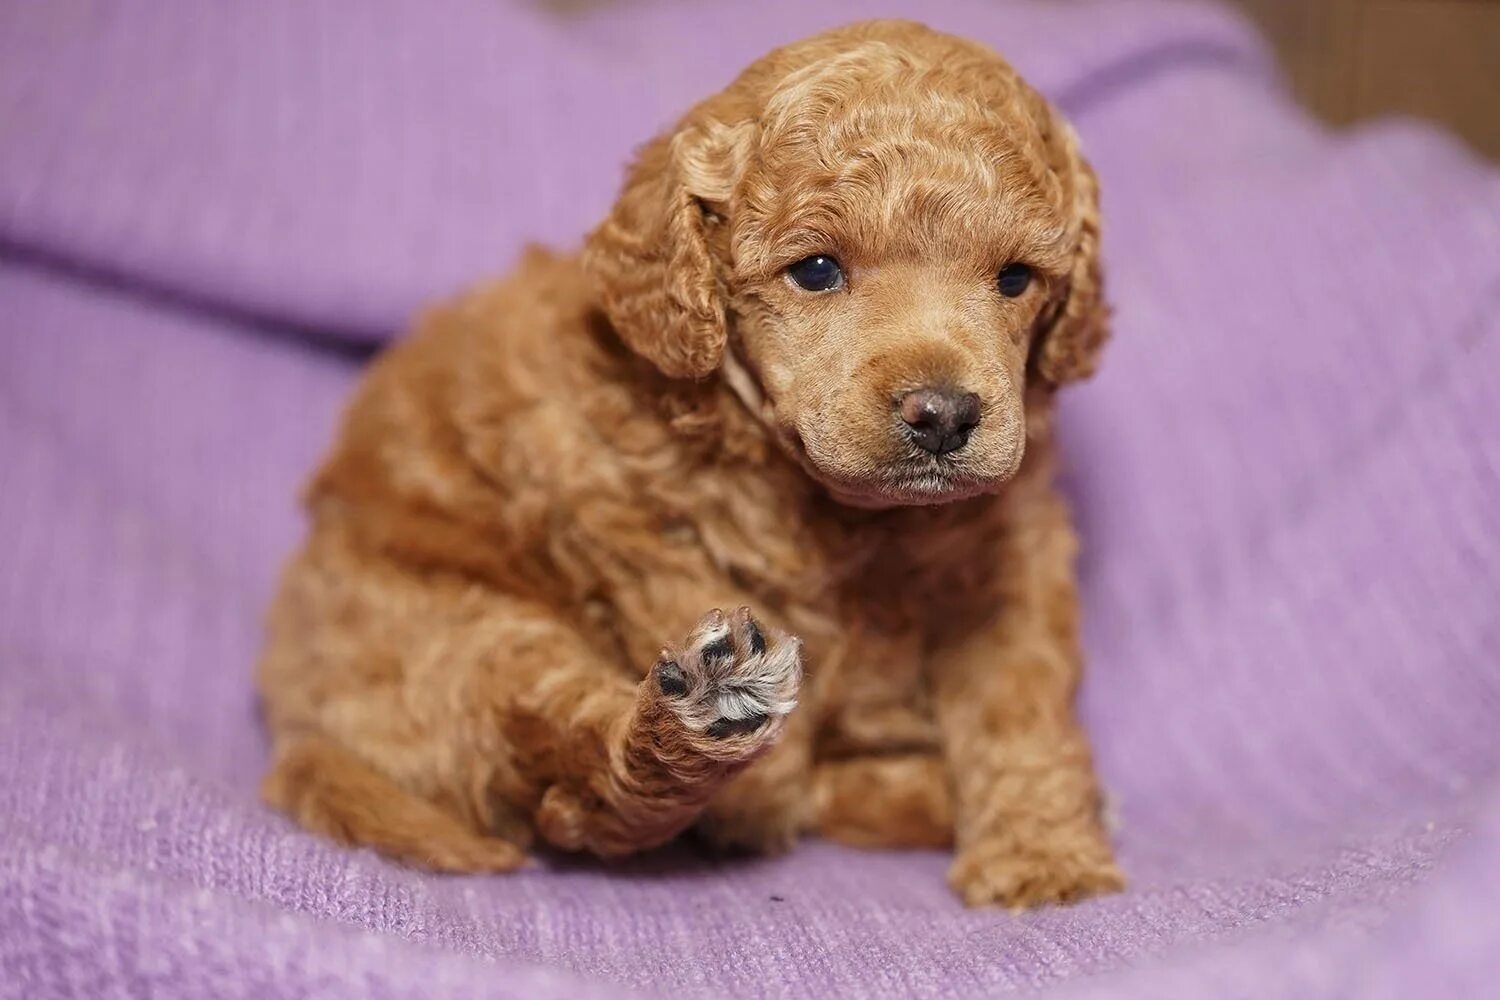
1287,476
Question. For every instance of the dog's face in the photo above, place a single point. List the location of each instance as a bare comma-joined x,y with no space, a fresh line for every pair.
890,235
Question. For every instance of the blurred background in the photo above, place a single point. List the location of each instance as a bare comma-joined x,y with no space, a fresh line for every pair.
1352,59
1349,60
212,214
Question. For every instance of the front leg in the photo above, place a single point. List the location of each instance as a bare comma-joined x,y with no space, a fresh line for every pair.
1027,804
708,708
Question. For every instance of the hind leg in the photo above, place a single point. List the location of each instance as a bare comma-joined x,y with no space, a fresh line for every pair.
330,791
409,711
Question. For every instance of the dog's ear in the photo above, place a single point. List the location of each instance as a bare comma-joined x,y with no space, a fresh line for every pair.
1075,326
650,262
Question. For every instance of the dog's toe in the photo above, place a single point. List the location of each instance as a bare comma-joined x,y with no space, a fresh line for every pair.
670,678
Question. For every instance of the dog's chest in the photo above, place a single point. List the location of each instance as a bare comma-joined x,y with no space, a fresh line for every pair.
868,689
860,590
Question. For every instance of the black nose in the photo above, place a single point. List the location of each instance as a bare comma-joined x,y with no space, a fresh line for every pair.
940,420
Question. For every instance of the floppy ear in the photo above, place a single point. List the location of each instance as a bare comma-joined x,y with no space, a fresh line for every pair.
1074,328
650,263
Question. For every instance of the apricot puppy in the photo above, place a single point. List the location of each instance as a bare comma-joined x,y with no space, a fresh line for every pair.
798,384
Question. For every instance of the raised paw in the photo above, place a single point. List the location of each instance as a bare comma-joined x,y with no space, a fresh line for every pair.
731,682
998,871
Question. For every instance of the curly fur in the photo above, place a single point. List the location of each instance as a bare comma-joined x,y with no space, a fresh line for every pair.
558,472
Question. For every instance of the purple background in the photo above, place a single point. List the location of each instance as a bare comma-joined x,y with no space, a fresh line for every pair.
1286,475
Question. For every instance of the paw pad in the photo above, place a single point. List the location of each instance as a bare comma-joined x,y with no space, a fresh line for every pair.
719,649
670,678
757,638
721,728
731,678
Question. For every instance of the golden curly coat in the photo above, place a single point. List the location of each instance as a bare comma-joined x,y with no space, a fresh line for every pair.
558,472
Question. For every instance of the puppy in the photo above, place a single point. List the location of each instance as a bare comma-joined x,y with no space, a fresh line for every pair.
805,367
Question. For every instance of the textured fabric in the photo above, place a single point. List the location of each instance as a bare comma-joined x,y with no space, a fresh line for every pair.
1286,478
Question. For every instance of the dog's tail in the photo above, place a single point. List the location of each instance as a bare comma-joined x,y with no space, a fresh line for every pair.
330,791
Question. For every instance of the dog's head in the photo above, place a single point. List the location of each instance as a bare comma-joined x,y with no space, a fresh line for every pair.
882,237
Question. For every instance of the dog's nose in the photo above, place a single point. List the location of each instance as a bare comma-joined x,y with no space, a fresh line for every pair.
940,420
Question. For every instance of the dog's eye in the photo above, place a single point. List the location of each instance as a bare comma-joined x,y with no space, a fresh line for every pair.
1014,279
817,274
